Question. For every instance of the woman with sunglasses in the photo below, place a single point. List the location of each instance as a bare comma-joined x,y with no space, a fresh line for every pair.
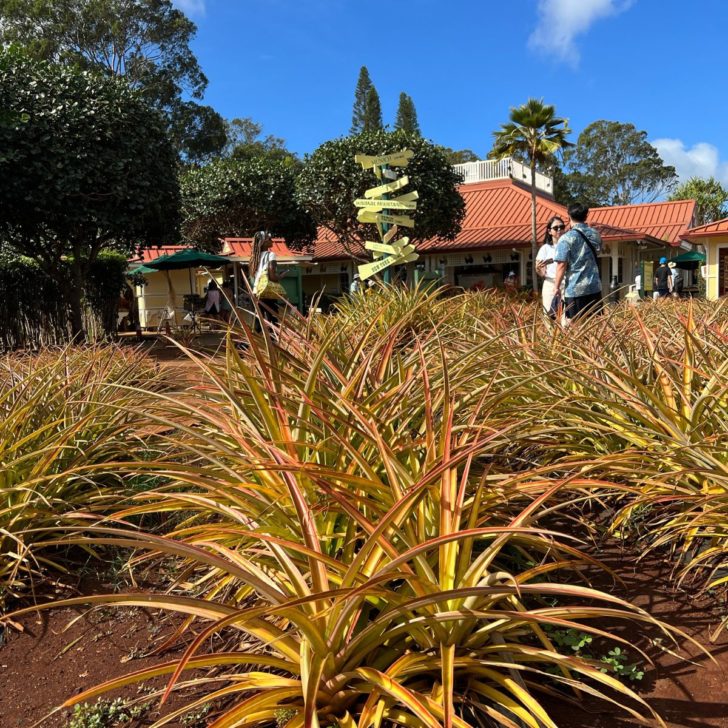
545,265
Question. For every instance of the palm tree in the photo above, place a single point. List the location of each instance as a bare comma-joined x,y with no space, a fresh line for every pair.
536,134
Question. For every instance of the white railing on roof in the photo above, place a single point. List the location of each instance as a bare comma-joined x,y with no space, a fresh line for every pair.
508,168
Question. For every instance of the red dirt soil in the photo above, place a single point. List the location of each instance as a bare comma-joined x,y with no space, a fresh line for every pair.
685,694
48,663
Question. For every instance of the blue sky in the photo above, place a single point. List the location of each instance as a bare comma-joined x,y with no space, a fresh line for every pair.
292,66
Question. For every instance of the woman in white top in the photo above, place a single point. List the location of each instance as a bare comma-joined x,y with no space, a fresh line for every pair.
212,299
554,230
262,260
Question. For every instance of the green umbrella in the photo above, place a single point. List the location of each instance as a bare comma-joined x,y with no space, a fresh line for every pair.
187,258
692,256
140,269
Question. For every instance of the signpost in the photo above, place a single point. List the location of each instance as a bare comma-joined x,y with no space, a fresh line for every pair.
377,207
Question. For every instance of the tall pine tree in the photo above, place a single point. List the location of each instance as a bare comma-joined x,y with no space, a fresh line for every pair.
373,111
360,101
407,115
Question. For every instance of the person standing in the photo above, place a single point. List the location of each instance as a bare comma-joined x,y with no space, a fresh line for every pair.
545,264
663,279
677,279
263,263
355,286
577,264
212,299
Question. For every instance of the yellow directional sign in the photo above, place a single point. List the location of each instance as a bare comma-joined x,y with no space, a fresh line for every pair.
401,247
396,248
390,187
383,217
369,269
377,207
387,238
407,197
388,204
396,159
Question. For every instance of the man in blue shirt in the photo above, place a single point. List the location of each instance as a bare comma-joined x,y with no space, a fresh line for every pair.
577,262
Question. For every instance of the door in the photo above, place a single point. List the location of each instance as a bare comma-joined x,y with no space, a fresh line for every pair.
723,271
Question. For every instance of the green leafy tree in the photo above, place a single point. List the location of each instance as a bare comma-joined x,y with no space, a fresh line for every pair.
245,141
536,134
145,41
612,163
407,115
237,197
198,132
373,112
710,196
564,191
85,166
331,180
460,156
361,93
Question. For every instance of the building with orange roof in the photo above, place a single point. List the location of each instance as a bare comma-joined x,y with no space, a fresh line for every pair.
164,295
495,237
714,239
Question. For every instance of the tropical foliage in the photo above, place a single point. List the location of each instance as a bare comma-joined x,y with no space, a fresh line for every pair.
407,115
85,166
331,180
147,42
237,197
361,108
385,513
710,197
64,415
536,134
612,163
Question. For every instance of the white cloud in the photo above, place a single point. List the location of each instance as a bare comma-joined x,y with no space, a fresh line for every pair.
191,7
561,21
701,160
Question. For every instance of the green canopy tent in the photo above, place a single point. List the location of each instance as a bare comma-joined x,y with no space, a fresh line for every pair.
691,259
140,269
187,258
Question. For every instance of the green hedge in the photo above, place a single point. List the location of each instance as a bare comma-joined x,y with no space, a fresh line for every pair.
34,308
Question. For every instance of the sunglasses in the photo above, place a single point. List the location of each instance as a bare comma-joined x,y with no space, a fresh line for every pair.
558,227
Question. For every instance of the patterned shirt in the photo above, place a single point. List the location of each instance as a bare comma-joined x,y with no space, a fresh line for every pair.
582,271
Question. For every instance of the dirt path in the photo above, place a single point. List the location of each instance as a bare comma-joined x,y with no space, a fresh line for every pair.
687,694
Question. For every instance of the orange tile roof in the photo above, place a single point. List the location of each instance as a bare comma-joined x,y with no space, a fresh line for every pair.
498,215
240,248
234,247
664,221
718,227
327,247
147,255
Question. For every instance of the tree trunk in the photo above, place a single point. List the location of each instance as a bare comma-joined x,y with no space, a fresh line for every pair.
534,242
75,298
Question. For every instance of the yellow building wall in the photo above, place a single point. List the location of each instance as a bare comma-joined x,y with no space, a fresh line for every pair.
712,246
154,298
